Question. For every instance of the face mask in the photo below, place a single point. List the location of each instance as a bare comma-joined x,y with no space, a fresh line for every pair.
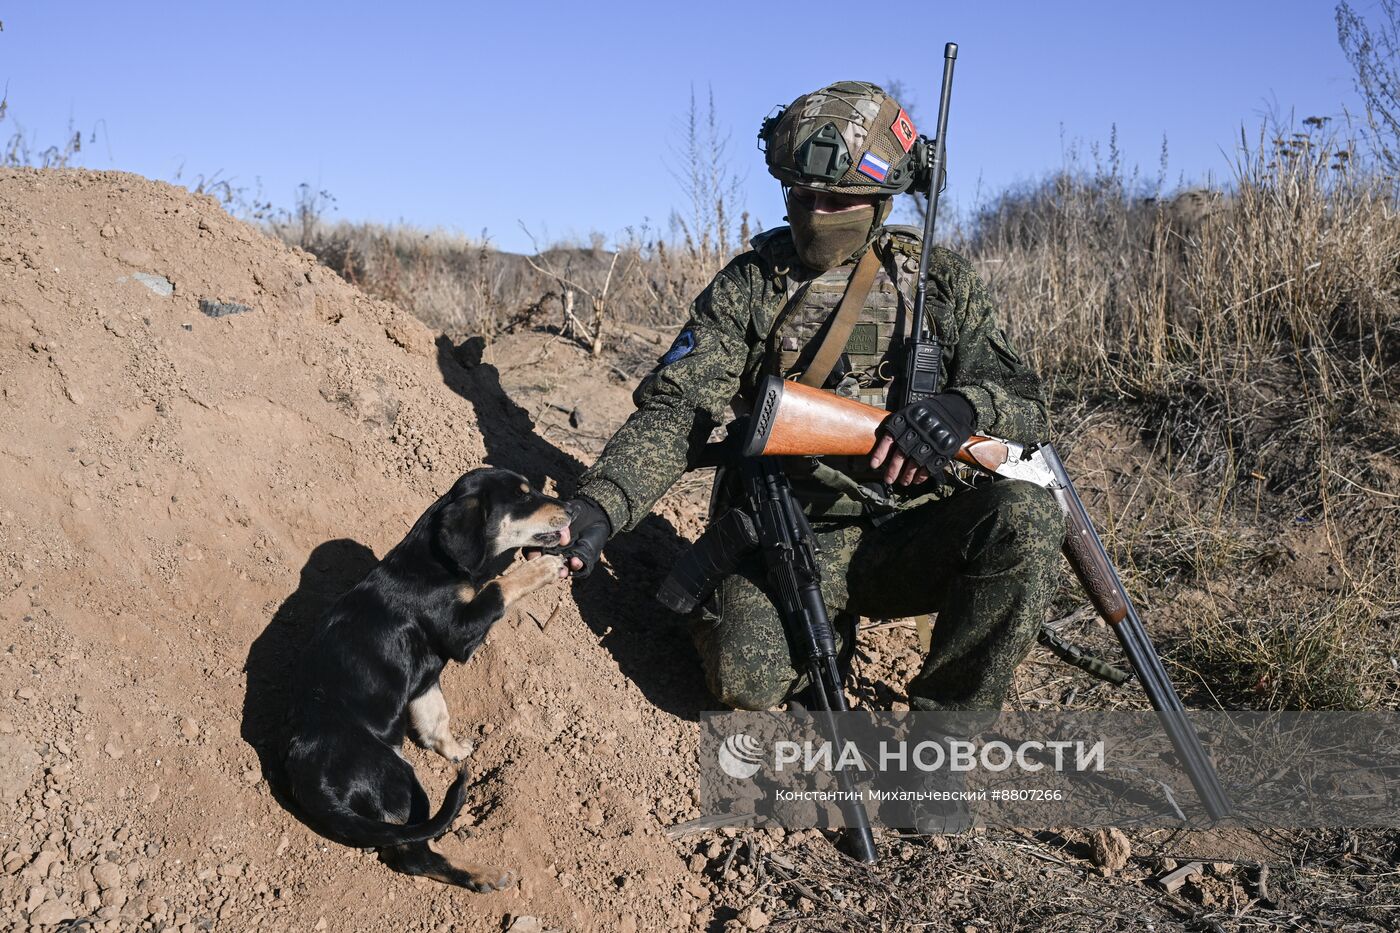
824,241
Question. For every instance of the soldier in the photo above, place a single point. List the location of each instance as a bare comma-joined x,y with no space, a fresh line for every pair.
899,537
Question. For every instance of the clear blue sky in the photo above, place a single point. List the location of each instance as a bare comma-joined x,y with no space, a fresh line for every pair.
563,115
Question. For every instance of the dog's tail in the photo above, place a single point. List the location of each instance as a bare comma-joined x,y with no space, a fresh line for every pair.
350,828
417,859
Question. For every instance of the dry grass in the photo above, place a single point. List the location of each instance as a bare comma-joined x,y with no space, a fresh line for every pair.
21,149
464,285
1252,335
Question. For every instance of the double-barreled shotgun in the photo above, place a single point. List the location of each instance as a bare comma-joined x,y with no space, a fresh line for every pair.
793,419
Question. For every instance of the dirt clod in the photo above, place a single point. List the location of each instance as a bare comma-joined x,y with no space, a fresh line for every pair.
1110,850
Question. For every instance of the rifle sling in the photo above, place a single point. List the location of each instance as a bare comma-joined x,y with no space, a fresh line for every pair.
844,320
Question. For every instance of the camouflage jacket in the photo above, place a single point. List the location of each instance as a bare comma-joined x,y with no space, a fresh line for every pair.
719,357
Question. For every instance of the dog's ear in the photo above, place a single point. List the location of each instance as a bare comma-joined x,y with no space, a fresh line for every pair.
461,531
469,482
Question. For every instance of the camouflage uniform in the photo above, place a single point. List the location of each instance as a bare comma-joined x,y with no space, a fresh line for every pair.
982,557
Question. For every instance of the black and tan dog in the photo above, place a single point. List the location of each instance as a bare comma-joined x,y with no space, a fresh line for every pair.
372,669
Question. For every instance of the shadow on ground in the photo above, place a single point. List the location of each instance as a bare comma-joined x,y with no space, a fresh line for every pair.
650,646
331,570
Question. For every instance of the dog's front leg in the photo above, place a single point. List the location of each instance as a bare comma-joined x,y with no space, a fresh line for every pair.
478,610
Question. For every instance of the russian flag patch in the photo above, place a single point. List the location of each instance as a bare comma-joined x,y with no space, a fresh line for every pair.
872,166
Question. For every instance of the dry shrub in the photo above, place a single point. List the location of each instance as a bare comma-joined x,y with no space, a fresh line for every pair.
1280,653
465,286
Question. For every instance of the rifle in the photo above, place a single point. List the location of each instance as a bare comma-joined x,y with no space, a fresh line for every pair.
793,419
775,524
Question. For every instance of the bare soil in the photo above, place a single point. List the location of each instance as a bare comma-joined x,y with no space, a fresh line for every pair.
184,494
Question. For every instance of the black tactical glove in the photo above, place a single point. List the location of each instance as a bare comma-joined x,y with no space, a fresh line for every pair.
931,431
588,532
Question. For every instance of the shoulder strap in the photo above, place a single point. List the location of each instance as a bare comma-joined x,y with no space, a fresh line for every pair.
844,320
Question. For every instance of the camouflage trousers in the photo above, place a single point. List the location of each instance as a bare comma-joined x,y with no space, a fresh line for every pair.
984,559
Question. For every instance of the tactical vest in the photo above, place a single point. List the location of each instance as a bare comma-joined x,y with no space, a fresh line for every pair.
871,357
846,486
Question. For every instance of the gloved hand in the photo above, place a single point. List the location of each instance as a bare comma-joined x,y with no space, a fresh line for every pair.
588,532
921,438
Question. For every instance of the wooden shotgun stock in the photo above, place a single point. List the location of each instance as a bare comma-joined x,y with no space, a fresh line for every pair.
795,420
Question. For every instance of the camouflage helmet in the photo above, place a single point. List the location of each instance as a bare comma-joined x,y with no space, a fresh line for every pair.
849,137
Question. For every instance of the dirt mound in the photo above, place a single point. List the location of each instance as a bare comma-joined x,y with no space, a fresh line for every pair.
208,437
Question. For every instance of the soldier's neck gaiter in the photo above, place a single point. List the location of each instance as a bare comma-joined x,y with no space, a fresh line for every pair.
824,241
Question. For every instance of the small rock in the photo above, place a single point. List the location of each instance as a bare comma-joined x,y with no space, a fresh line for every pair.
320,923
18,764
189,728
213,308
39,868
107,875
250,776
1110,850
51,913
113,750
37,895
25,693
524,923
156,283
753,918
107,232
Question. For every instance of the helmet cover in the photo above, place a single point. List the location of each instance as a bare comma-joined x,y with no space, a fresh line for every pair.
849,137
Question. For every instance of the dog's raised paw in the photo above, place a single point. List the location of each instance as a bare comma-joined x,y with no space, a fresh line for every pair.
530,575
